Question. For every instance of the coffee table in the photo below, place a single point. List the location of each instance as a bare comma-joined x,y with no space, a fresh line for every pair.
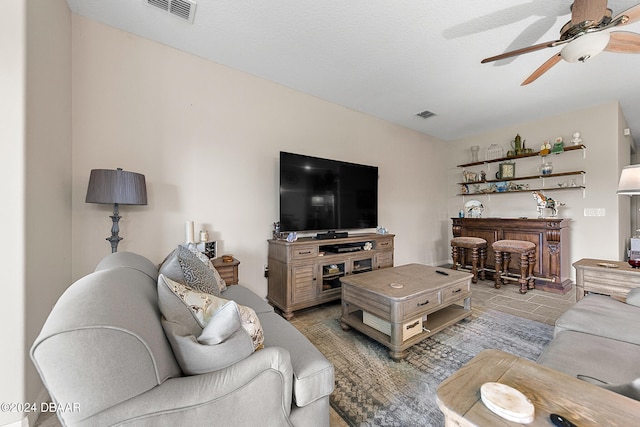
550,391
401,306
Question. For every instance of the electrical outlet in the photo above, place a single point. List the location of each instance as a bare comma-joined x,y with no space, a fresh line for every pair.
266,271
594,212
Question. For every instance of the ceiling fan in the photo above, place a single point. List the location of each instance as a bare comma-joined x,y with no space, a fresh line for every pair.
586,35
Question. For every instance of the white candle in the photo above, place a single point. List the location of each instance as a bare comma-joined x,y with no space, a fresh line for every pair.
190,232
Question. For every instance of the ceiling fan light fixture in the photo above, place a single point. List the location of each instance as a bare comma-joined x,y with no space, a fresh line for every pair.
585,46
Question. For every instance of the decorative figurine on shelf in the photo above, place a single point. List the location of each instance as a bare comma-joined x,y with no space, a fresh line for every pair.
558,147
545,148
576,140
276,230
545,202
518,145
483,176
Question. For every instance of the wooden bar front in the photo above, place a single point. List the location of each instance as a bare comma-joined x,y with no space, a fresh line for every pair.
551,236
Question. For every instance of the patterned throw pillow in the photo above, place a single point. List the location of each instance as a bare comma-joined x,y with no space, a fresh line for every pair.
196,274
222,285
204,306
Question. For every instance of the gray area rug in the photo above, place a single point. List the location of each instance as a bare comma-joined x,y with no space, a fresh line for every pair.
373,390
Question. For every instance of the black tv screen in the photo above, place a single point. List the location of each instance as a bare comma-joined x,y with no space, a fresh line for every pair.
321,194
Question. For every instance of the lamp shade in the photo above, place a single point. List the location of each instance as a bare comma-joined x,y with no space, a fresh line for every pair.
116,186
629,180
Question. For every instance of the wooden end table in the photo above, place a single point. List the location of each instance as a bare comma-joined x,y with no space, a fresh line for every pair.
400,299
614,278
227,270
550,391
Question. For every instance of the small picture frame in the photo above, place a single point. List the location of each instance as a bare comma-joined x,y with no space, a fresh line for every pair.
507,170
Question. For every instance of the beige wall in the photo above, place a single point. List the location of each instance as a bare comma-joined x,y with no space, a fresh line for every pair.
208,138
607,151
36,163
12,170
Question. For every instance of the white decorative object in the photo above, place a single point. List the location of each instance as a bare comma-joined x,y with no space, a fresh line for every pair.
507,402
473,209
494,151
189,232
576,140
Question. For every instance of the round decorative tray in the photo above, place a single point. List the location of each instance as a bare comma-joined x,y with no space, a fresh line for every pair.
608,265
507,402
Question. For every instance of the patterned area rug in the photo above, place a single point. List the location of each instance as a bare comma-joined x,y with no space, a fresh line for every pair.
373,390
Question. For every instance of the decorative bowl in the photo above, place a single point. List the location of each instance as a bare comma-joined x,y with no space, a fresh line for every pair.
635,263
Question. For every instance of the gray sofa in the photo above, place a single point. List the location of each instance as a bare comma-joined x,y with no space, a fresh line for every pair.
103,352
598,340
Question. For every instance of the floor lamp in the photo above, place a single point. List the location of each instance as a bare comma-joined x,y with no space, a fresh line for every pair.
119,187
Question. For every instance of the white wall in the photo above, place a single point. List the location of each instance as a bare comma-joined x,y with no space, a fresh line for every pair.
208,138
35,65
601,128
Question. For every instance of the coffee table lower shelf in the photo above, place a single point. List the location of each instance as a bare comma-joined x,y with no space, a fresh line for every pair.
436,321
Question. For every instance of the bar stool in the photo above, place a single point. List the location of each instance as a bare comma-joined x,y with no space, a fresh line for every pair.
478,249
527,251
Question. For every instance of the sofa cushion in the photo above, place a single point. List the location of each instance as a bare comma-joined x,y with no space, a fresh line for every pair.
603,316
583,354
312,372
633,297
184,267
245,296
223,323
220,282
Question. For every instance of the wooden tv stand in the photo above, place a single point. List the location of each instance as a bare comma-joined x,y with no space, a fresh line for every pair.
307,272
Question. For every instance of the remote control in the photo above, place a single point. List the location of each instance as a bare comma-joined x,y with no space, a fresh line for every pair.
444,273
561,421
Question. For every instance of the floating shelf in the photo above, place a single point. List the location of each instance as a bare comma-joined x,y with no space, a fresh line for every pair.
522,156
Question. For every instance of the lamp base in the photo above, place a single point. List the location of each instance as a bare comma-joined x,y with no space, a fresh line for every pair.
114,239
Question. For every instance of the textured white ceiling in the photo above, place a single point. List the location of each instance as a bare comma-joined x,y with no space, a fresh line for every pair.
394,58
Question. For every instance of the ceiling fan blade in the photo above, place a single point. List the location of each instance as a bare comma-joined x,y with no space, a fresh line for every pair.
588,10
623,42
542,69
633,13
520,51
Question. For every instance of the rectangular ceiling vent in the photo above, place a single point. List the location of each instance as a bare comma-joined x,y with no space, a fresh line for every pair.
425,114
183,9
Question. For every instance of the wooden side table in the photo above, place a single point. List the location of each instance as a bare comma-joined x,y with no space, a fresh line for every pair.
550,391
614,278
228,270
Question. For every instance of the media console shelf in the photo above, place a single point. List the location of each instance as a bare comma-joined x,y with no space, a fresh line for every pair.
307,272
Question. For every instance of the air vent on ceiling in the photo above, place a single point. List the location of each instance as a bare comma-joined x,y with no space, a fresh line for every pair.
183,9
425,114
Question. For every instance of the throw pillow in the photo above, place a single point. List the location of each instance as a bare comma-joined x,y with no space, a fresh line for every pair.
223,323
203,306
222,285
183,266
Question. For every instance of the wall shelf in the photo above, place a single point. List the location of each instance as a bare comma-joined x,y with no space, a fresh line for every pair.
522,156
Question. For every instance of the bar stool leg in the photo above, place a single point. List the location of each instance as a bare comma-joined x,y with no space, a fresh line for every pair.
497,277
524,269
483,259
454,256
474,265
532,263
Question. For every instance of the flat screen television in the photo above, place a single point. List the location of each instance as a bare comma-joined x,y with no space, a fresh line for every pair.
325,195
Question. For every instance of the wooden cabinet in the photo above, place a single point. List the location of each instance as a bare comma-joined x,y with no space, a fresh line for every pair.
614,278
550,235
307,272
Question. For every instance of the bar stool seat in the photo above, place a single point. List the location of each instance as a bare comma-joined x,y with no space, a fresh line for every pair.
503,250
478,249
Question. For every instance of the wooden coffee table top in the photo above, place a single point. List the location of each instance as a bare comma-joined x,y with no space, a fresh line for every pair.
550,391
413,278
